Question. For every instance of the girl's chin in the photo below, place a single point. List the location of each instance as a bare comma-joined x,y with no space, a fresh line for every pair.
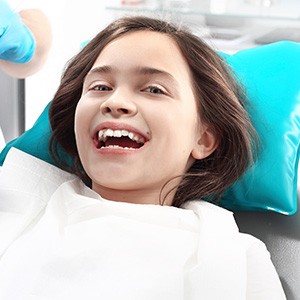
114,188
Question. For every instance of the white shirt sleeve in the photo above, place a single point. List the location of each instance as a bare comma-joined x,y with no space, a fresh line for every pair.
262,279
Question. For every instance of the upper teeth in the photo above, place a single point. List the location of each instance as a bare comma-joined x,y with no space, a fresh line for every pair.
103,134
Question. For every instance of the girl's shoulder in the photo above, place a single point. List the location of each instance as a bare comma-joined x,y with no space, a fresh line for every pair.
26,186
243,261
20,169
218,219
218,225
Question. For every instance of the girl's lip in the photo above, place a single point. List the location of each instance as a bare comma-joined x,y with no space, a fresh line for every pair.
119,151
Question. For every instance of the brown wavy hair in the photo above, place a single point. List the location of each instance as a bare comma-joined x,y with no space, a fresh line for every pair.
221,105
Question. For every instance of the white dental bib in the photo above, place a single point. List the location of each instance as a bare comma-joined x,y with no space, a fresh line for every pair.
61,240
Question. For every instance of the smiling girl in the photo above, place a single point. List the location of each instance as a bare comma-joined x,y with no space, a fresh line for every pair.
154,123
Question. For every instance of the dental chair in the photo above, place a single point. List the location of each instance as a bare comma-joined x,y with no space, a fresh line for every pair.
281,234
265,199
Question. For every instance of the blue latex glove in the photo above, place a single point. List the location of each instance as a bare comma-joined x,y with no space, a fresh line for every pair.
16,41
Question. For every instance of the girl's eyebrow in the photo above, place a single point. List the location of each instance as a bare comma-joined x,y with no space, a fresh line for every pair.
100,70
154,71
139,70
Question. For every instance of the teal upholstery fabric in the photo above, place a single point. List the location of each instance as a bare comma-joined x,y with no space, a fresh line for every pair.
271,76
34,141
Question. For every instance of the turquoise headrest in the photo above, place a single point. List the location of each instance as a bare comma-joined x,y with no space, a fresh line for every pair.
271,77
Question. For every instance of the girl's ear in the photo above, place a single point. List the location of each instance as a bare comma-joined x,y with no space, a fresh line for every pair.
206,143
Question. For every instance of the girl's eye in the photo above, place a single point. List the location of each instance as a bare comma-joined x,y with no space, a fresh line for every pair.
101,88
154,90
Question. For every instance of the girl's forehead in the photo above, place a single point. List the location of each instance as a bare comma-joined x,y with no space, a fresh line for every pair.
144,36
144,47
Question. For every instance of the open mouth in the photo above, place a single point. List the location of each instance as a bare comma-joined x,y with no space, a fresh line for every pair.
119,139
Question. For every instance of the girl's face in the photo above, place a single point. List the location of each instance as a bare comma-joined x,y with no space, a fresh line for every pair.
136,124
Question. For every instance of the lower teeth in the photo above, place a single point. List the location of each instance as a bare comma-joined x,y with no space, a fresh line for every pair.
118,147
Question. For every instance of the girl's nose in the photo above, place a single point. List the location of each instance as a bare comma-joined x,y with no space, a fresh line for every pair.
118,106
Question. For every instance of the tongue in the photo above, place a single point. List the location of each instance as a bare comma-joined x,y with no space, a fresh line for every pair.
122,142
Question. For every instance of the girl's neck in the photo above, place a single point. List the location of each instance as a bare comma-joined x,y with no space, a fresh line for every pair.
132,196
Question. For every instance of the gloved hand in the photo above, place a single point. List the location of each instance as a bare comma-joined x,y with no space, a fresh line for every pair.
16,41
